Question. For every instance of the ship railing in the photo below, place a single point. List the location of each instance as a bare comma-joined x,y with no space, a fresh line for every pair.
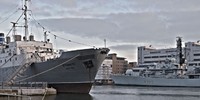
25,85
10,74
7,61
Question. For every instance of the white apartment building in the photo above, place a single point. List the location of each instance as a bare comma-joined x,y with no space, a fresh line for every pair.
104,72
152,55
191,52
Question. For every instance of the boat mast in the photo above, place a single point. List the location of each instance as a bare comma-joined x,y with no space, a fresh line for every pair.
26,20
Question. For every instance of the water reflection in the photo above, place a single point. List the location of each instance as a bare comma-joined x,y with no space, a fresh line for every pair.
52,97
125,93
70,97
63,96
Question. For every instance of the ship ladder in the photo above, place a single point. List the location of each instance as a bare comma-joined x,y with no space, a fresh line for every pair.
17,73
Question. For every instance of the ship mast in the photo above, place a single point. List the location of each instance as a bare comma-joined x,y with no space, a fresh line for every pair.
179,50
14,30
45,36
26,20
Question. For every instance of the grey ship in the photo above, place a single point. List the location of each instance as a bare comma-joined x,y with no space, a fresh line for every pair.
162,76
28,60
166,74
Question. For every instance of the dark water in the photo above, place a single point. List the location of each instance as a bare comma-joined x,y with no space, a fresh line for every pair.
126,93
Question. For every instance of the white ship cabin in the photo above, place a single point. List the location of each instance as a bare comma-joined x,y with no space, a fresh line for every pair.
193,71
135,71
155,69
20,52
158,65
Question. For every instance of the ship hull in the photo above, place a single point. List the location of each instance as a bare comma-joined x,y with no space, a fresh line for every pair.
72,87
148,81
72,72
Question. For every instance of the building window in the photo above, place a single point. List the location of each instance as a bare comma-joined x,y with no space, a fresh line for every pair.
193,64
169,51
147,57
196,59
154,52
163,56
154,56
198,54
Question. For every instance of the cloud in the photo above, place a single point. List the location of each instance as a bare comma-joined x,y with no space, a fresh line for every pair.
6,4
82,26
122,22
126,50
123,47
132,27
120,27
59,3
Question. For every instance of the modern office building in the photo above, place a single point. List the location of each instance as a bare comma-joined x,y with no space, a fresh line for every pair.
152,55
191,53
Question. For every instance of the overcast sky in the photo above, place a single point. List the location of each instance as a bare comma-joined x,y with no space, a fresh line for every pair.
125,24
